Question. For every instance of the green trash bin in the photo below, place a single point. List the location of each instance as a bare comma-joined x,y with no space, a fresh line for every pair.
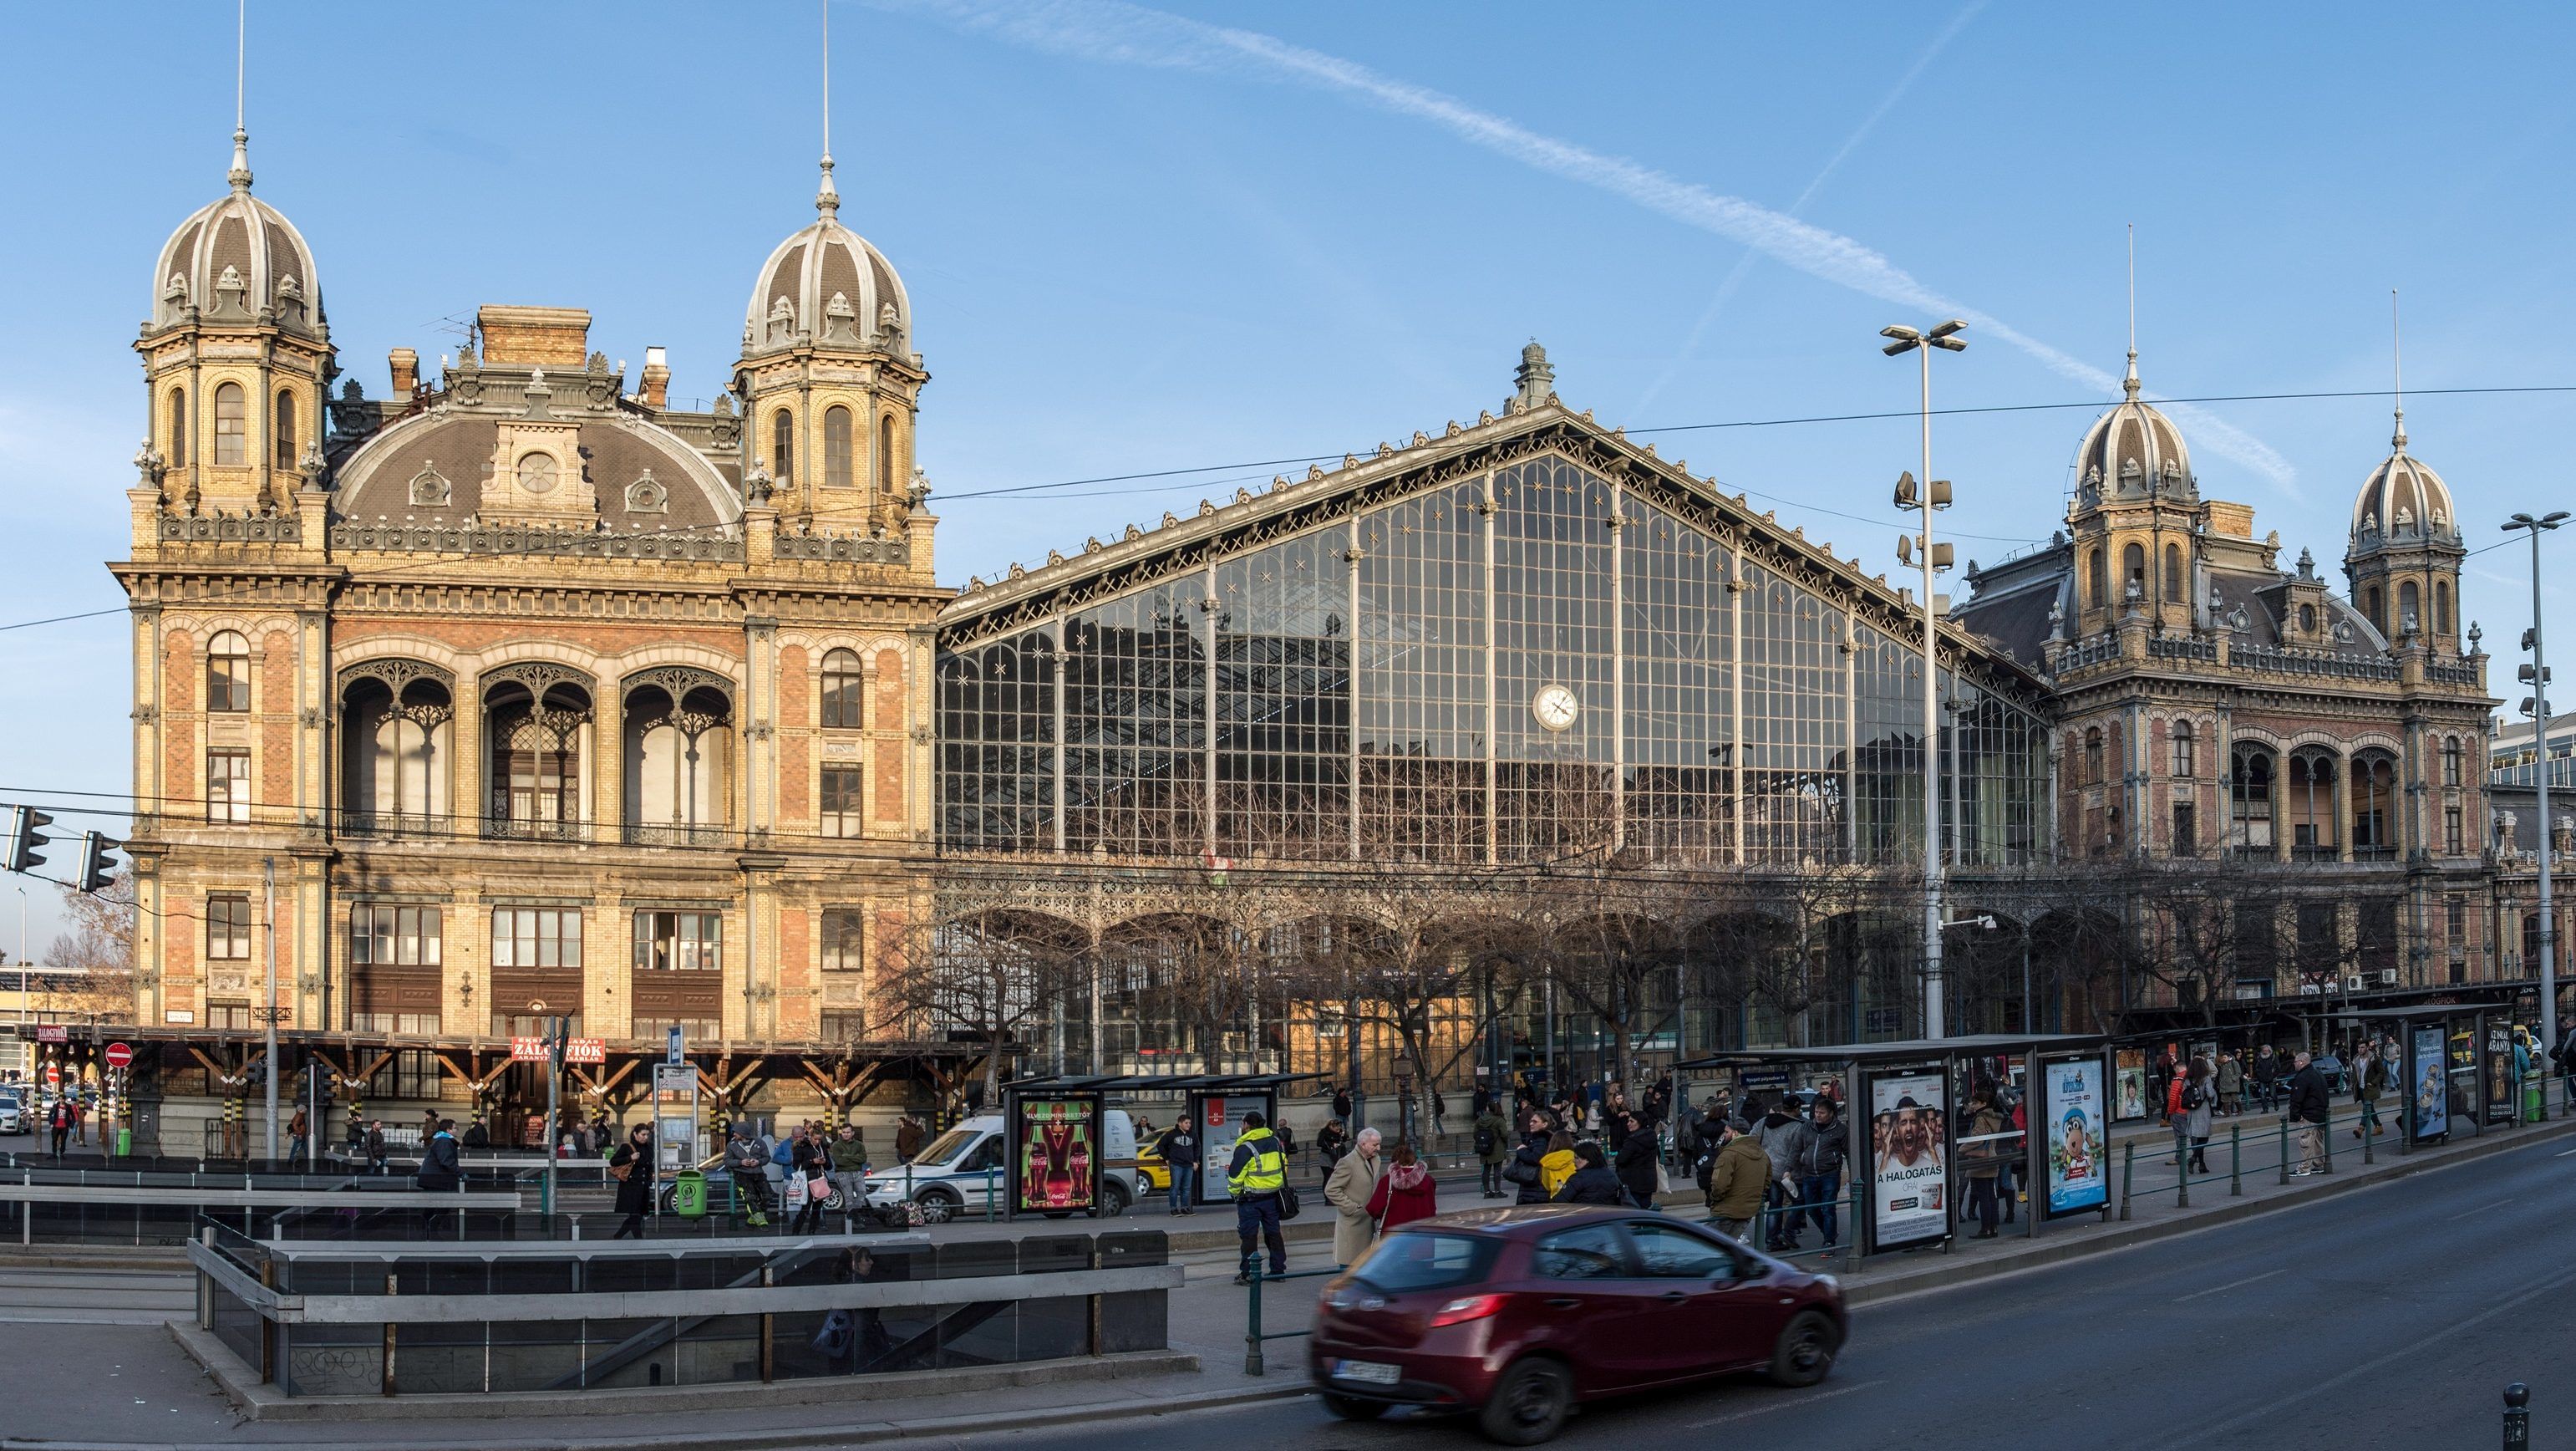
689,1194
125,1143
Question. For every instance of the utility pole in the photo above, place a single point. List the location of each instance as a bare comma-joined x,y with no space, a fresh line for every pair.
554,1076
2537,673
268,890
1933,494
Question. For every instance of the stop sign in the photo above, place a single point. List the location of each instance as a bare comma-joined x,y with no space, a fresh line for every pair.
119,1055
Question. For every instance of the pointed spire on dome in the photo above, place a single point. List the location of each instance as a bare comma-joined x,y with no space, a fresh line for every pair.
2129,385
2397,372
827,201
239,176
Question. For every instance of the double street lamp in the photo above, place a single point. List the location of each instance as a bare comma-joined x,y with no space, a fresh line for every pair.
1933,494
2537,675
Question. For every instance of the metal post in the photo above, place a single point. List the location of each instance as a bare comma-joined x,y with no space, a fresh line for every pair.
268,889
1933,1004
1252,1331
554,1076
2128,1168
2236,1161
2285,1153
2540,800
2326,1137
2517,1416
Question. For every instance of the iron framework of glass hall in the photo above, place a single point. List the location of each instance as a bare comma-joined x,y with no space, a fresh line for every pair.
1519,643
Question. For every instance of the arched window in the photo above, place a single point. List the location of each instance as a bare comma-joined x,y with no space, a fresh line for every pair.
283,431
231,426
782,447
537,473
178,428
2374,806
885,456
2370,607
2441,607
2098,586
2451,762
2312,804
228,671
844,705
2183,764
2307,619
2249,800
2409,600
836,447
2133,570
2173,573
2093,756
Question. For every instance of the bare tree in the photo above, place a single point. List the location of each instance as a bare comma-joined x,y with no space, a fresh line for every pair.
99,948
986,974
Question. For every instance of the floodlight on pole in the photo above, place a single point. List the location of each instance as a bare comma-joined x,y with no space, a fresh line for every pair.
2537,672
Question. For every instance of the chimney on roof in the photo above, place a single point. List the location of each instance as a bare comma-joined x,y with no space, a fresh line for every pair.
406,370
657,378
546,337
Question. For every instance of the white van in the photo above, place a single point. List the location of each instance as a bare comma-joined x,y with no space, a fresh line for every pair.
956,1172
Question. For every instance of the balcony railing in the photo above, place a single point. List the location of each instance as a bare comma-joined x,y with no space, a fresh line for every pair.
639,833
2374,853
380,825
2324,853
503,828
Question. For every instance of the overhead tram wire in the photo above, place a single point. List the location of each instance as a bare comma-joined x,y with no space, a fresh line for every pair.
447,557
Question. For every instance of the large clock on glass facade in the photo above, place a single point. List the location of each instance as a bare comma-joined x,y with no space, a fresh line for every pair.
1555,707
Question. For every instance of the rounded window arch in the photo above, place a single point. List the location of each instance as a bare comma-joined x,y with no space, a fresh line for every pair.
2093,756
2184,764
228,672
232,426
836,447
2308,619
2133,569
178,428
2409,607
782,447
282,430
2095,581
2173,573
2370,608
2250,782
844,691
885,456
2441,607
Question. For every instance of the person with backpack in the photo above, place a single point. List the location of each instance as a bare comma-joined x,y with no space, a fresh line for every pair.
1524,1171
1592,1182
1178,1148
1491,1151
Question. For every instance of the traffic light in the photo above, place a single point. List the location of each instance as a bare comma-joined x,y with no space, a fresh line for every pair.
96,870
19,853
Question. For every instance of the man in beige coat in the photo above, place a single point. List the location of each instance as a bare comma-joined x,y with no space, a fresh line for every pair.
1348,1189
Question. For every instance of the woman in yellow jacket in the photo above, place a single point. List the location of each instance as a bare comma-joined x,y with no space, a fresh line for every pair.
1558,1164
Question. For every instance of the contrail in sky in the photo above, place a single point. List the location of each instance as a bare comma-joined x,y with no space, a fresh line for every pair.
1127,34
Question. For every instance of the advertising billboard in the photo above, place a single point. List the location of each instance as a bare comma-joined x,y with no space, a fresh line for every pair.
2131,1079
2498,1074
1055,1154
2075,1126
1909,1159
2428,1088
1220,1121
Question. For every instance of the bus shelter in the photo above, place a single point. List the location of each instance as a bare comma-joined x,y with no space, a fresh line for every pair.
1059,1148
2451,1066
1904,1104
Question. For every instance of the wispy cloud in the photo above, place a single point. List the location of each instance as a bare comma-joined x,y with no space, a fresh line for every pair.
1115,32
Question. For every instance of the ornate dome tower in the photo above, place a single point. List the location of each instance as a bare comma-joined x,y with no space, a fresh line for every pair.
2135,517
829,381
237,353
2404,559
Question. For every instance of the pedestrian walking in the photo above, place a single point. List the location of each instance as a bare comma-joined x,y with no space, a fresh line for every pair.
60,1123
375,1143
1820,1173
907,1139
2307,1112
2199,1099
1636,1162
476,1135
632,1167
1342,1104
2565,1057
1492,1148
1257,1176
1178,1148
2370,1080
1784,1141
2231,1084
1404,1193
1348,1189
1984,1158
1737,1182
1525,1171
442,1169
2266,1073
1331,1142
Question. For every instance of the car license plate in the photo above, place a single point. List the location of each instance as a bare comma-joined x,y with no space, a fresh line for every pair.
1368,1372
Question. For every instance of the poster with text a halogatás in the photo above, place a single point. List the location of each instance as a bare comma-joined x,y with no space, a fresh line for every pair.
1056,1154
1909,1199
2077,1136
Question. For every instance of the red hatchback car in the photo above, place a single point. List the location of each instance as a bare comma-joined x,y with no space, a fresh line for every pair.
1517,1314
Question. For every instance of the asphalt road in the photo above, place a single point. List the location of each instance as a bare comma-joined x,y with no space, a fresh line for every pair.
2389,1317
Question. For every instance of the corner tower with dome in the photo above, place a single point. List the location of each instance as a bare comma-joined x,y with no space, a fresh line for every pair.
2219,709
542,695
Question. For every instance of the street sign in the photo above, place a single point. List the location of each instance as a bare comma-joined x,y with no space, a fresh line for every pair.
118,1055
53,1074
672,1050
528,1050
53,1033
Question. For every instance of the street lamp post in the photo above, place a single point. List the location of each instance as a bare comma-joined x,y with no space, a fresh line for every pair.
1933,494
2537,672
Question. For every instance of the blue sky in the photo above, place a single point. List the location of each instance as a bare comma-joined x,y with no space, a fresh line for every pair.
1136,242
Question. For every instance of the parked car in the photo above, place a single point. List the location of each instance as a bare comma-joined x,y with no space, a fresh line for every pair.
13,1112
958,1171
1516,1315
